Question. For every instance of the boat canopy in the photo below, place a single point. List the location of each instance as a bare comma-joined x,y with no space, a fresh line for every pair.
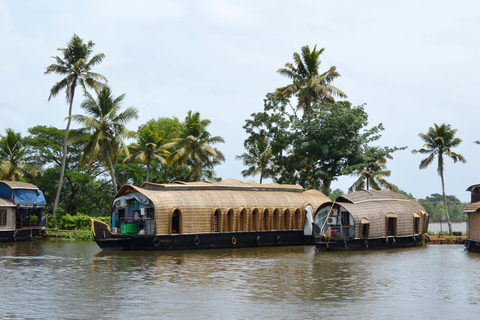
23,193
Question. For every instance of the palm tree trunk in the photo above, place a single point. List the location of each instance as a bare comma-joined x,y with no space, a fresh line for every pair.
148,172
445,205
110,166
64,156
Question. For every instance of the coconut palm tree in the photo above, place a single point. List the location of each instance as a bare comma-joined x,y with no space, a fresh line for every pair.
373,175
147,149
107,126
194,147
307,83
259,159
439,141
74,65
12,158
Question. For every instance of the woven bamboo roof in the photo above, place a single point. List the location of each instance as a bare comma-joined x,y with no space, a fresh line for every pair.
19,185
371,195
474,207
229,184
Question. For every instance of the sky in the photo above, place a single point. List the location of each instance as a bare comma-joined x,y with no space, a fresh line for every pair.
412,63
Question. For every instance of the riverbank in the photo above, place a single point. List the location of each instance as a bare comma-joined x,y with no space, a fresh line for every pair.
446,239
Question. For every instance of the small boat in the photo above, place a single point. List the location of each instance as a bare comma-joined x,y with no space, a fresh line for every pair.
369,220
472,242
21,211
225,214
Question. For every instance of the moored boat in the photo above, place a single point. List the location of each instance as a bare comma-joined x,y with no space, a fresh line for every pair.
370,219
21,211
472,242
226,214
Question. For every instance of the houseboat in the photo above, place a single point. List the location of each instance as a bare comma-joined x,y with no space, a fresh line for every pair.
226,214
472,242
21,211
370,219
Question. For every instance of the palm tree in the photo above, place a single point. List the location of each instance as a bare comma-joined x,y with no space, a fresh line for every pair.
12,157
439,141
76,68
147,149
107,127
193,146
373,175
307,83
259,159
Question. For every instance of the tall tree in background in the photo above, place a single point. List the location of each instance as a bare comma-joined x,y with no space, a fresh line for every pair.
74,65
439,141
13,166
373,174
148,149
258,158
107,126
194,147
308,84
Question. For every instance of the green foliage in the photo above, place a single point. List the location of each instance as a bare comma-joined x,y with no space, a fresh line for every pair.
15,164
434,206
65,221
335,194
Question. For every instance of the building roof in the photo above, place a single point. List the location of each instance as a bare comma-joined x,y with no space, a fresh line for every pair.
19,185
472,207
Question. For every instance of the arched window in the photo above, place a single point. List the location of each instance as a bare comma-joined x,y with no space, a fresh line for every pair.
216,223
286,219
254,222
275,220
265,220
176,221
242,220
416,223
296,219
229,221
391,225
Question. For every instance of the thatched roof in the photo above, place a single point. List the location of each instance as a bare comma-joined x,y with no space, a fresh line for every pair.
6,203
19,185
474,207
371,195
229,184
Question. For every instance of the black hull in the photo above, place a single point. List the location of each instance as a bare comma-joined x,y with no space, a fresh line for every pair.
18,235
109,241
472,245
370,244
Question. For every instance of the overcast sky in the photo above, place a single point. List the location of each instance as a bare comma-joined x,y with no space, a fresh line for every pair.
413,63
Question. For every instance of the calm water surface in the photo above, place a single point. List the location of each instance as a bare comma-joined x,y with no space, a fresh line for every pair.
76,280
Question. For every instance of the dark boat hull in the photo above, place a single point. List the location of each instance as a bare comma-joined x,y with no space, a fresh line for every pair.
109,241
472,245
19,235
369,244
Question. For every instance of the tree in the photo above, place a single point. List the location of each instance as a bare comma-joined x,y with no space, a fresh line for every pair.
107,126
259,159
332,137
76,69
194,147
148,149
373,174
308,84
85,189
13,154
438,142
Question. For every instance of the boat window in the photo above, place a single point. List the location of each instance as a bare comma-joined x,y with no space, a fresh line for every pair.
242,220
216,221
265,220
296,219
254,220
391,226
416,224
275,220
3,217
229,221
176,222
286,219
365,230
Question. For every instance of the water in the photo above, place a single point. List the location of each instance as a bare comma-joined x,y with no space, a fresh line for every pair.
436,227
76,280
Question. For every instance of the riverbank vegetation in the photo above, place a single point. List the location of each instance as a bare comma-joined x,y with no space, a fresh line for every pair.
302,136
